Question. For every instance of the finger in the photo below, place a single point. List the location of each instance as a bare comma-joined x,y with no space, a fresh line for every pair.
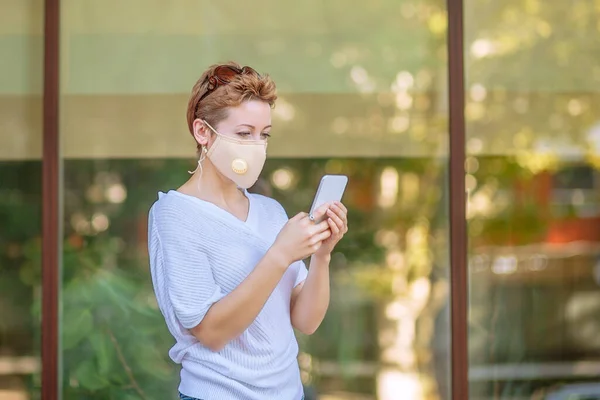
324,207
322,236
320,227
339,212
336,218
342,206
320,212
299,216
335,230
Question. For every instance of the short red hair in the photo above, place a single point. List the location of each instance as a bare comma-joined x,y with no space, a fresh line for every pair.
213,107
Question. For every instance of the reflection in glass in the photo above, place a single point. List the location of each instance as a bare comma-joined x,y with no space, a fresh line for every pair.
362,92
389,279
20,279
534,200
21,51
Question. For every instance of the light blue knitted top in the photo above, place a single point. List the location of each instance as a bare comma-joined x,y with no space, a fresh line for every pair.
198,254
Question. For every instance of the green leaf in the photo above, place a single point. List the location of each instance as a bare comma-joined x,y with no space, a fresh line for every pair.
87,375
104,352
129,397
77,325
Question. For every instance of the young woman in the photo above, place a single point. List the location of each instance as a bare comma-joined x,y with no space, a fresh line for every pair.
226,264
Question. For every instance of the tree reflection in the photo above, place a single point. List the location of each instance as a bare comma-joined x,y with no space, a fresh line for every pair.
370,83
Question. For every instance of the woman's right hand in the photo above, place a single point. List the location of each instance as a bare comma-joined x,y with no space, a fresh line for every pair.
301,237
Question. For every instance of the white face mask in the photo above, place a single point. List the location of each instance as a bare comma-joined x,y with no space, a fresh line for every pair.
240,160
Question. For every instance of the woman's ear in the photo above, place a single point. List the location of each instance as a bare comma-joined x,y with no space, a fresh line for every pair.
201,133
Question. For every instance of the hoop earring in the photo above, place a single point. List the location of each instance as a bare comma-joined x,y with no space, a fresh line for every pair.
200,161
199,166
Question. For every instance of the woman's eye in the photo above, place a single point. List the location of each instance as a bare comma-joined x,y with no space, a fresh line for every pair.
244,134
266,135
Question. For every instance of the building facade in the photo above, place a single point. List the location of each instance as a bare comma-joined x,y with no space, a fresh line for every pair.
470,116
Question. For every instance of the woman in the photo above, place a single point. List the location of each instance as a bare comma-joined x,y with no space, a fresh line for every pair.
226,264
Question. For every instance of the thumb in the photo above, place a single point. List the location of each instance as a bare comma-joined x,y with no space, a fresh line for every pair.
320,212
299,216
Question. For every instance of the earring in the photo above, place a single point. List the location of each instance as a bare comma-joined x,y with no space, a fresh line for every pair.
200,161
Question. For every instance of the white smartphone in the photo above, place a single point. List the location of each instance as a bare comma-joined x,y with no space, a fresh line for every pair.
330,189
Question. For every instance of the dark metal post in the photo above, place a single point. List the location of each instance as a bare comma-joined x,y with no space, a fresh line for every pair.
51,235
458,222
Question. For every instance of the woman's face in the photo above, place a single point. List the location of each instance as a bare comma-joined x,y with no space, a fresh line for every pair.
250,120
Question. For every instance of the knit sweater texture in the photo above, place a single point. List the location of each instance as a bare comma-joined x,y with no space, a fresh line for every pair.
200,253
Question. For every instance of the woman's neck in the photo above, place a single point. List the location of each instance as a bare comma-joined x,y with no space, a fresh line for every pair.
208,184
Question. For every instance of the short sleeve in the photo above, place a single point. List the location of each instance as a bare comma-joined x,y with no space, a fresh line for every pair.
189,281
302,272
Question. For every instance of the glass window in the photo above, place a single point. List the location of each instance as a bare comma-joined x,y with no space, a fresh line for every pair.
21,51
533,114
362,92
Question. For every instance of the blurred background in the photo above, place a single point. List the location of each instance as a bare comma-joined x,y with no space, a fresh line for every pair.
363,91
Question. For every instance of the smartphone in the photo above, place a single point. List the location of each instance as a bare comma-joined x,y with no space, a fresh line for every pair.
330,189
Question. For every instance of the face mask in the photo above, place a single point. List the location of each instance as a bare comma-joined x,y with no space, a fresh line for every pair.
240,160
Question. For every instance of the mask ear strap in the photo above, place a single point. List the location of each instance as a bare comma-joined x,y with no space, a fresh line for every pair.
203,155
199,167
210,126
200,161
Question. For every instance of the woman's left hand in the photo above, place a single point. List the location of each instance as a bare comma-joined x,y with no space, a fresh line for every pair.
337,218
